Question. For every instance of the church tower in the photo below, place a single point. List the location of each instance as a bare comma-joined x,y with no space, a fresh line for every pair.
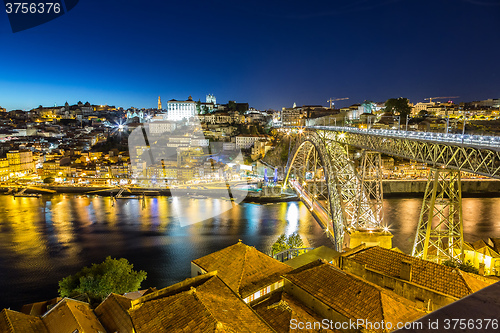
159,103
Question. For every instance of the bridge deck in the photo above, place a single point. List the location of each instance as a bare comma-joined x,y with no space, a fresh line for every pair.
470,153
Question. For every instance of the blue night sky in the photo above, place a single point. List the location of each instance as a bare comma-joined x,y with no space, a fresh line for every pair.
268,53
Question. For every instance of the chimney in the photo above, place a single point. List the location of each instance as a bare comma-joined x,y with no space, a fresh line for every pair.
406,270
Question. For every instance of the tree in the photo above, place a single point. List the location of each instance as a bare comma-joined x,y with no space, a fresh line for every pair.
464,266
231,106
423,113
198,107
400,106
49,180
99,280
280,244
284,243
294,241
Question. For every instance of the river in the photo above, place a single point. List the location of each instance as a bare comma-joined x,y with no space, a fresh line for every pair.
43,240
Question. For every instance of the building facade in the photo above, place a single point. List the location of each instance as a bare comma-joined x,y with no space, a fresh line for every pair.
21,161
180,110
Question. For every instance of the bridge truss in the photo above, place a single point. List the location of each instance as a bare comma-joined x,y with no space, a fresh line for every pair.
353,197
479,159
328,182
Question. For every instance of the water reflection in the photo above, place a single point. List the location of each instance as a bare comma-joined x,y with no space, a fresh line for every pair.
43,240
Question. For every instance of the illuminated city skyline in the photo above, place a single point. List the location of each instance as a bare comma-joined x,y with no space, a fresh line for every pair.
270,55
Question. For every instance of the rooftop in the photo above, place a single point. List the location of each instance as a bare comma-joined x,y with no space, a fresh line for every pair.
70,315
440,278
322,252
476,308
200,304
13,322
113,313
243,268
280,308
352,296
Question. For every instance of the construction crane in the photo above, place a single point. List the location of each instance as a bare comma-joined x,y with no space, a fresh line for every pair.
331,100
431,98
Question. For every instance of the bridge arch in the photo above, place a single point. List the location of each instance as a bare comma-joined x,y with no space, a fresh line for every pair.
325,178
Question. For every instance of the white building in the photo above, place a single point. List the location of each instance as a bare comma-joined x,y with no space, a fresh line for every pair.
421,106
159,127
199,142
179,110
245,141
211,99
228,146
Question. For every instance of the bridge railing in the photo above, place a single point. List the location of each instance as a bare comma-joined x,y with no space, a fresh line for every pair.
486,141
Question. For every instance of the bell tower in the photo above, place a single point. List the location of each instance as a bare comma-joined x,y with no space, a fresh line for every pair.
159,103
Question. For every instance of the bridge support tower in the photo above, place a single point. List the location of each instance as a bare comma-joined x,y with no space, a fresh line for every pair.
440,233
371,186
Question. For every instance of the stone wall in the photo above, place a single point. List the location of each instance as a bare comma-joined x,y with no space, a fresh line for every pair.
471,187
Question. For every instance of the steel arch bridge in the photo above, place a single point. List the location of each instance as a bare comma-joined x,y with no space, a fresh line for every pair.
344,198
474,154
326,180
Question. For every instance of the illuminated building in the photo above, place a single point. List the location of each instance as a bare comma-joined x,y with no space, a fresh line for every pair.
131,114
179,110
4,169
21,161
483,255
245,141
209,105
292,117
160,127
159,103
421,106
190,155
211,99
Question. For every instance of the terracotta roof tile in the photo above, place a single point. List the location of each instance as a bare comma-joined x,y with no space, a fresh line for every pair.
352,296
443,279
39,308
69,315
113,313
280,308
14,322
204,304
243,268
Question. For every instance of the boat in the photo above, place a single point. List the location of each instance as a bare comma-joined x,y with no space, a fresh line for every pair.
129,197
28,195
198,196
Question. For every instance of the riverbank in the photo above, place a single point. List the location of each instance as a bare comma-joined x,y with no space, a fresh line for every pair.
416,188
392,189
186,191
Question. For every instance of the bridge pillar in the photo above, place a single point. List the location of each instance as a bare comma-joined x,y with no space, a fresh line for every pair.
382,238
368,227
371,185
440,233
